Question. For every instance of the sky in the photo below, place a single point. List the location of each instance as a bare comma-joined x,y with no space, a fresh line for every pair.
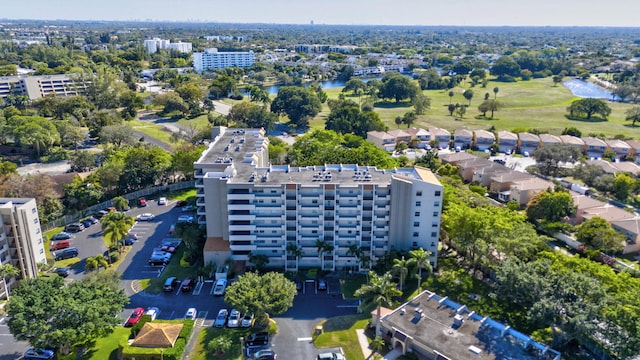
347,12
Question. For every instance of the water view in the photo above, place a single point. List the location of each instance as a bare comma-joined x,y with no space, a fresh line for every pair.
587,89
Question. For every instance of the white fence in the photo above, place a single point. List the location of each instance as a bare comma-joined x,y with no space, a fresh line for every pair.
131,196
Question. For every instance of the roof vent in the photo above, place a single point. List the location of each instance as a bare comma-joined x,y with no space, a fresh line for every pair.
403,311
458,320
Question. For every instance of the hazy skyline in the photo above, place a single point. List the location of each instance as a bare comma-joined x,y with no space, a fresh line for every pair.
348,12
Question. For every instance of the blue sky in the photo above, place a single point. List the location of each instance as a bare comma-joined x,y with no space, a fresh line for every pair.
350,12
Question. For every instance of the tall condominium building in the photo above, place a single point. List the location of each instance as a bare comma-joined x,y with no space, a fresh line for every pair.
36,87
21,242
358,212
213,59
155,44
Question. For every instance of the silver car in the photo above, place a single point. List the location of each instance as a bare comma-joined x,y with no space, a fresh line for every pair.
234,319
221,319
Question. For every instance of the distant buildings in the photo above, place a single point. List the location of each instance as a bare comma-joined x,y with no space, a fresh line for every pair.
319,49
36,87
155,44
21,242
214,59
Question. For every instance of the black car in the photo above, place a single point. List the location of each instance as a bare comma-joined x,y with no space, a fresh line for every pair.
86,223
61,236
257,339
128,241
62,271
67,253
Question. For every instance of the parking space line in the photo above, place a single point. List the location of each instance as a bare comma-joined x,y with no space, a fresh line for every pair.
305,339
198,288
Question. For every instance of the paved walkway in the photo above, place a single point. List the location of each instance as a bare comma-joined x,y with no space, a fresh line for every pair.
364,344
392,355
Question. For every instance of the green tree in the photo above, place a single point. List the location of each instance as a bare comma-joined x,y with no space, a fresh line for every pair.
192,95
115,226
623,186
409,118
258,94
89,310
401,267
495,92
633,115
131,102
490,105
550,206
221,86
120,203
451,93
118,135
220,344
587,107
95,262
397,86
598,234
557,79
268,294
421,103
451,108
8,271
468,94
246,114
421,257
104,89
379,291
260,261
298,103
505,66
356,86
549,157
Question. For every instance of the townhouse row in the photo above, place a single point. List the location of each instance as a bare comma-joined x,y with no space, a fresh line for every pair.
506,141
511,185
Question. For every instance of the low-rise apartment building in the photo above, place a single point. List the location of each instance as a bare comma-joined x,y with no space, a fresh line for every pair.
38,86
212,59
282,212
21,241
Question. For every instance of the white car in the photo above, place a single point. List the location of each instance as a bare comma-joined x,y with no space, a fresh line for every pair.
247,320
234,319
185,218
152,312
221,319
162,201
191,314
145,217
219,287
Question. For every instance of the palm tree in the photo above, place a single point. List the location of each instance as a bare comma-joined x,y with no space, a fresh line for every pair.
421,257
495,92
259,260
115,226
451,93
379,291
95,262
402,266
8,271
295,250
320,245
377,344
355,251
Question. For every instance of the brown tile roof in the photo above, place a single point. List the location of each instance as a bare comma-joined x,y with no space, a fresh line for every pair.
571,140
591,141
550,139
525,136
154,335
484,134
455,157
634,144
507,135
608,212
627,167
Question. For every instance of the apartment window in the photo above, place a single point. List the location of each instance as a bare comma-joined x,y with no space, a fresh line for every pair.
273,191
434,225
418,203
417,213
436,203
416,234
438,193
34,210
38,231
260,201
314,201
41,251
40,241
273,201
314,231
435,214
415,244
35,221
434,234
419,193
274,251
274,241
274,221
416,224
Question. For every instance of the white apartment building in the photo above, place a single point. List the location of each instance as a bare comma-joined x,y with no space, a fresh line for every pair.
21,242
252,207
38,86
213,59
155,44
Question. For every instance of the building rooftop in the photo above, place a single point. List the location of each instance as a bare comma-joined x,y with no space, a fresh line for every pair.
591,141
398,133
436,131
456,332
604,165
608,212
463,133
615,143
627,167
533,183
525,136
550,139
507,135
634,144
571,140
379,135
455,157
484,134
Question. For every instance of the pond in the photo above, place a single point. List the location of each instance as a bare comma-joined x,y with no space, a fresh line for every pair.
587,89
329,84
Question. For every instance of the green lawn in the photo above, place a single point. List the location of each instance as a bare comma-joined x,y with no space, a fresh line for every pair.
155,285
341,331
107,348
153,130
350,285
528,104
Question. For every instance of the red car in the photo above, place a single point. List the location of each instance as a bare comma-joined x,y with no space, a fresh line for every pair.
142,202
136,315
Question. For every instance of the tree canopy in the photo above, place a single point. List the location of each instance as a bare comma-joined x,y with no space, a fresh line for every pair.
298,103
271,293
398,87
598,234
550,206
588,107
549,156
346,117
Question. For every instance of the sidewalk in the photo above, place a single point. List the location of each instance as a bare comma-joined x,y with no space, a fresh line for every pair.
364,344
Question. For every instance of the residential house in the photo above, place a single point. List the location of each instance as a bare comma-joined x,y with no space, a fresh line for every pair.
467,168
382,140
606,166
573,141
635,149
548,139
401,136
442,136
507,142
630,228
528,143
420,137
501,182
483,139
456,157
482,175
621,148
594,147
462,139
434,327
522,191
627,167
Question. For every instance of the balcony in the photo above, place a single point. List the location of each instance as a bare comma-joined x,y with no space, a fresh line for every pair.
199,183
241,197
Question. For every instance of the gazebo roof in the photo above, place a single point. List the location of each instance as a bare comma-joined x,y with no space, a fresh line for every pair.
156,335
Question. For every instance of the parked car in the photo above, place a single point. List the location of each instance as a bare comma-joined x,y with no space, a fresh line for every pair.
171,283
59,245
101,213
135,317
266,354
331,356
234,319
188,208
191,314
145,217
67,253
75,227
128,241
187,284
181,203
38,354
152,312
247,320
62,271
221,319
169,249
159,259
219,287
322,284
61,236
162,201
257,339
185,218
86,223
142,202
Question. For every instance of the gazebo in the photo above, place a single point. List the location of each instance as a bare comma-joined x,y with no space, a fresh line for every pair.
157,335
